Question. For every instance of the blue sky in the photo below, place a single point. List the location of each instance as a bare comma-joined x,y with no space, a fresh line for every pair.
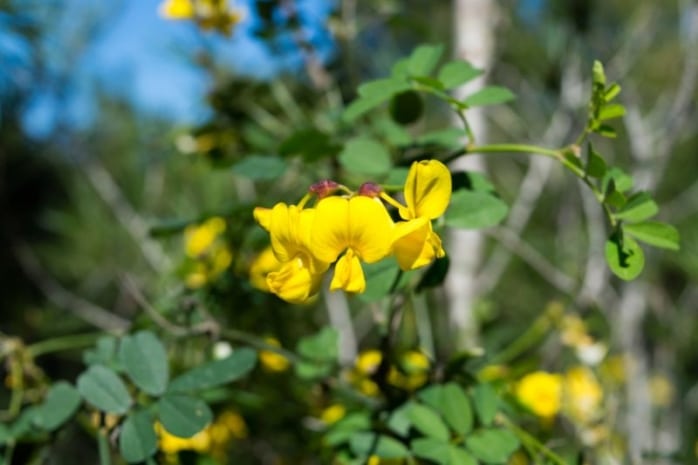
143,58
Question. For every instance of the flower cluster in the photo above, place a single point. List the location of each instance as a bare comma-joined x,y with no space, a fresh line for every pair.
207,14
351,228
208,255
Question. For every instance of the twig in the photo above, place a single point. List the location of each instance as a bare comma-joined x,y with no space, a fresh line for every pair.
62,298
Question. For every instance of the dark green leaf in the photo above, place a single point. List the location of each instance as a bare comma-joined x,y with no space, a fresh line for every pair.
311,144
24,425
607,131
5,434
441,452
406,107
573,158
365,444
423,59
137,440
103,388
489,95
472,181
260,168
623,181
365,155
624,256
456,73
435,274
104,352
596,166
654,233
638,207
397,176
321,346
145,361
492,445
183,415
475,210
62,400
216,373
486,403
427,421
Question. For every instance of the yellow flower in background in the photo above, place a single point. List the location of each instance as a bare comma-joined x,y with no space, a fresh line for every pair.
171,444
583,394
300,273
208,253
263,264
427,194
661,391
270,360
353,230
333,413
365,365
207,14
413,371
541,393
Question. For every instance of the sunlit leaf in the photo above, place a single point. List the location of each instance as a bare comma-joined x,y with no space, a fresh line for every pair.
475,210
489,95
638,207
624,256
260,168
427,421
365,444
365,155
441,452
492,445
423,59
456,73
654,233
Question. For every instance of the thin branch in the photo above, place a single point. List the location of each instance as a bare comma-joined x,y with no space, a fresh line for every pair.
87,311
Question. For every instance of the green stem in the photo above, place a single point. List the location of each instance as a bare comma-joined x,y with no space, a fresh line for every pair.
9,451
103,446
528,339
533,443
515,148
76,341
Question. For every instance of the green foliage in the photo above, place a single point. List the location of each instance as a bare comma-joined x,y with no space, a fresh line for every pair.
145,361
61,402
102,387
137,440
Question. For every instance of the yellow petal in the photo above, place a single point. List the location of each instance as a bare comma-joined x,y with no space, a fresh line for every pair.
263,264
263,217
348,274
416,244
370,228
176,9
294,282
329,236
427,190
289,228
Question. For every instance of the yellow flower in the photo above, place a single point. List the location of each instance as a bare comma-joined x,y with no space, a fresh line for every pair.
270,360
208,253
365,365
333,413
171,444
300,273
661,391
261,266
541,392
427,194
176,9
360,227
583,394
412,373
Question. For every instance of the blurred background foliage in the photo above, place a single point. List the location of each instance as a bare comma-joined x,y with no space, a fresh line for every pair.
94,211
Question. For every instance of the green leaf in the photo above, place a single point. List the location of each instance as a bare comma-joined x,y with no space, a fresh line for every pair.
145,360
638,207
104,352
383,89
311,144
397,176
380,277
345,428
450,138
103,388
441,452
137,440
572,157
596,165
361,106
406,107
427,422
423,59
456,408
489,95
475,210
610,111
216,373
606,131
456,73
365,444
62,400
25,424
260,168
611,93
366,156
399,420
492,445
624,256
5,434
183,415
622,180
486,403
321,346
654,233
598,74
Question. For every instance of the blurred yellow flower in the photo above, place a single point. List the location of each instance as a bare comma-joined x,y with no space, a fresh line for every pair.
207,251
364,367
270,360
333,413
583,394
541,393
412,372
207,14
176,9
661,391
171,444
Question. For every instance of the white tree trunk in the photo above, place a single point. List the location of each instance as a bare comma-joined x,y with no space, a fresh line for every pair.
473,41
